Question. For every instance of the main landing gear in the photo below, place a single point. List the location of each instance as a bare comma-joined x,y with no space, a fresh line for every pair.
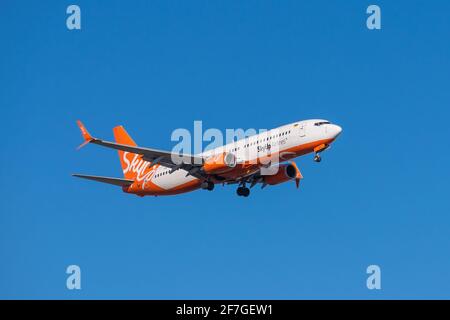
207,185
317,157
243,191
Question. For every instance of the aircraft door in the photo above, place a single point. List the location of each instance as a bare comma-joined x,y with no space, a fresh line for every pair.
302,130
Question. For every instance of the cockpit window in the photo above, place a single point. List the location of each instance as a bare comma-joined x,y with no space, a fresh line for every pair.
321,123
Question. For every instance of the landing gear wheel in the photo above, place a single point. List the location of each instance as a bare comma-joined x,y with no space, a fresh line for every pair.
317,158
243,191
207,185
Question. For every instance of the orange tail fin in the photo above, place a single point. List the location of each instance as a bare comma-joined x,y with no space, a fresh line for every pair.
130,162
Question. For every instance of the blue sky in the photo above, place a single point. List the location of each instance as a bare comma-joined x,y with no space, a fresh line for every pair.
380,195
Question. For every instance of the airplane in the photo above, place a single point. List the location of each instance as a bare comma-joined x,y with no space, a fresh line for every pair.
153,172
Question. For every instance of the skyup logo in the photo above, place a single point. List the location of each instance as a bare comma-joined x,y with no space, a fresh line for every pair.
138,167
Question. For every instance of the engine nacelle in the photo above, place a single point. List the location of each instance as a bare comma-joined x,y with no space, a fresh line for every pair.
285,173
220,163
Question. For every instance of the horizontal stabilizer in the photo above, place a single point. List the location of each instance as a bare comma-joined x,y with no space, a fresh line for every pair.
114,181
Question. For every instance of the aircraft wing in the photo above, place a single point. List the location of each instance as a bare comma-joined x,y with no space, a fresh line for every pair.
174,160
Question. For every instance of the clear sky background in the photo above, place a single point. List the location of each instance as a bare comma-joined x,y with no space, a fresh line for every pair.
380,195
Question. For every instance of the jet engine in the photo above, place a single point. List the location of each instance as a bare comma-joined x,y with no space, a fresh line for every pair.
285,173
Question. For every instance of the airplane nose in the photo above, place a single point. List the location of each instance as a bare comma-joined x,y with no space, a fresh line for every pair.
335,130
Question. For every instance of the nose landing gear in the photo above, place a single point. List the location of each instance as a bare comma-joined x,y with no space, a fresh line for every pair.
317,157
318,150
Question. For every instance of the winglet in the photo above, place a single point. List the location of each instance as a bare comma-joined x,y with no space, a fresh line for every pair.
86,136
